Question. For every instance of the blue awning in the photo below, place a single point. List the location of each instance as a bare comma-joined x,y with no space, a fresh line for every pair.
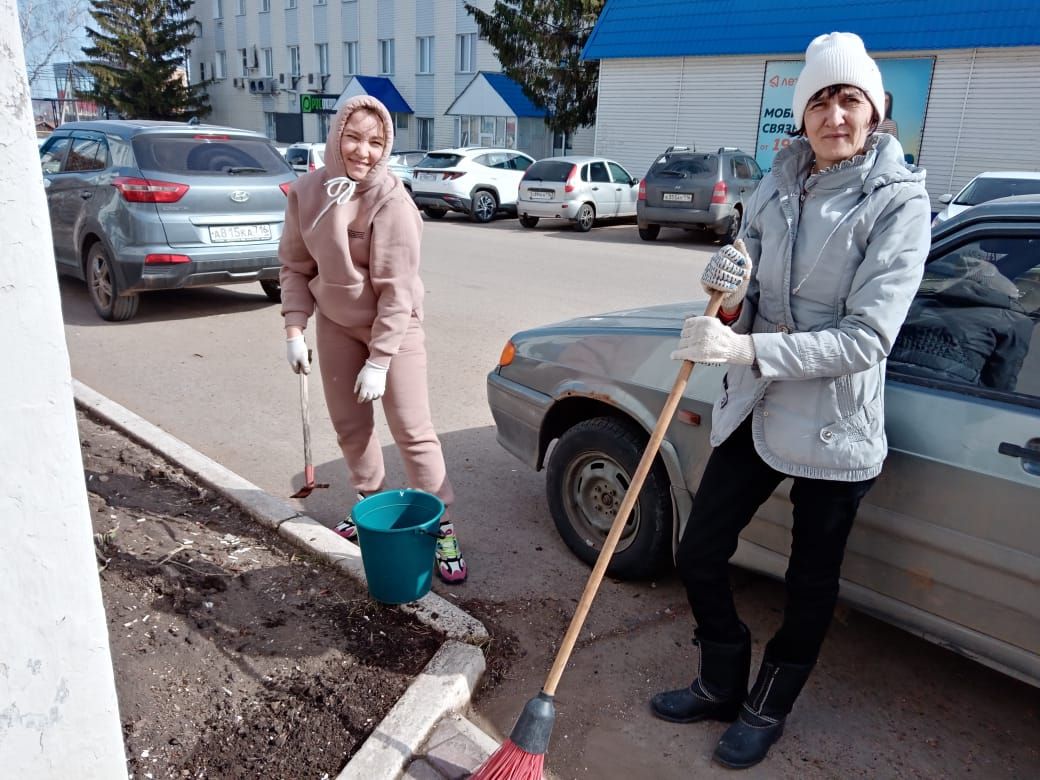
706,28
383,90
513,94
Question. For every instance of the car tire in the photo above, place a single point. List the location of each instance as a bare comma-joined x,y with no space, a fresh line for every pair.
433,213
733,229
272,289
484,206
528,222
585,218
103,288
586,479
649,233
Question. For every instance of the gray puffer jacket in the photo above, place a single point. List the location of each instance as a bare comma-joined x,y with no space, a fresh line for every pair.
834,274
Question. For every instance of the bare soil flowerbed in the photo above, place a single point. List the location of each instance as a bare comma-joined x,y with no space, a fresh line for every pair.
235,655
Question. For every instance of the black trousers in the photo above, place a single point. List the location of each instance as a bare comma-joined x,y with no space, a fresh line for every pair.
735,484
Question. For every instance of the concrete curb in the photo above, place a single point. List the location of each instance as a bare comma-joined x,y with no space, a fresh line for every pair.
275,513
445,685
447,682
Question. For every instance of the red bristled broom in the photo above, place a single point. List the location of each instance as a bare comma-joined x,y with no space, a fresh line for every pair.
522,756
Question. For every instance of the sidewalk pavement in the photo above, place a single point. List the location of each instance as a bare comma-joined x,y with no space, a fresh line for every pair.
425,736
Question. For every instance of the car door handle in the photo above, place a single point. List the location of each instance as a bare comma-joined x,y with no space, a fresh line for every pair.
86,194
595,189
1014,451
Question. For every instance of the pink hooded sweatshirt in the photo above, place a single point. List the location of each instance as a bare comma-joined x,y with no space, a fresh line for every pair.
353,252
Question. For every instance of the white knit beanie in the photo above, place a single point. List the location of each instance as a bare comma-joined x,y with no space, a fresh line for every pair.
837,58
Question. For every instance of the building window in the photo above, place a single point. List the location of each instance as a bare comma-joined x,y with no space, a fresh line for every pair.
243,55
265,8
218,9
268,62
424,54
294,60
386,57
467,53
486,131
269,124
321,52
290,4
350,58
400,121
240,7
320,2
425,134
220,65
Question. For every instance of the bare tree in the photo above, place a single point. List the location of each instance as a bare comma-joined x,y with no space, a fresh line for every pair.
51,31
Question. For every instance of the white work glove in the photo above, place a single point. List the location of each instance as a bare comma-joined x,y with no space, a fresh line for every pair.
296,352
706,340
728,271
371,382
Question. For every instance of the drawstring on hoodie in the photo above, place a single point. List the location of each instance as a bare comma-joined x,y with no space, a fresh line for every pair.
340,189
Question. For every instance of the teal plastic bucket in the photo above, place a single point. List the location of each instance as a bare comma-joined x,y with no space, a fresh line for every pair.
397,531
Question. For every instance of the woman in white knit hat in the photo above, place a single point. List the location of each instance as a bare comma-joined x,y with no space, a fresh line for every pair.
836,238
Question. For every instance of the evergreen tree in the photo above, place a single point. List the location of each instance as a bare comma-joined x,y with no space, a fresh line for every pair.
539,44
138,57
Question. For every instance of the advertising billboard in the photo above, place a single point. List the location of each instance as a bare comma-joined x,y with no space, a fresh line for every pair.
907,82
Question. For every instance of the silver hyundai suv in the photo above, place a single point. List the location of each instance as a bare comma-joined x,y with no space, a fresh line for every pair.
140,205
689,189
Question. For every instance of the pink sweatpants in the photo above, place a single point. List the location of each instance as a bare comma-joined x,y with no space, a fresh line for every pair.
342,353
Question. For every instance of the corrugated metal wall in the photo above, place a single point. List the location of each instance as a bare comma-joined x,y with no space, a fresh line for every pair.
638,101
983,110
983,115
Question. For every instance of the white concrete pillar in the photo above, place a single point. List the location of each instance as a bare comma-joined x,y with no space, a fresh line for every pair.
59,716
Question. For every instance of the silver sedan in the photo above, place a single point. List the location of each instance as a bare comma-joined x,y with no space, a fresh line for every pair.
946,544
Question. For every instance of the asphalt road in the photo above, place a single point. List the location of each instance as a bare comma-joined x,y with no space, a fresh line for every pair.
208,366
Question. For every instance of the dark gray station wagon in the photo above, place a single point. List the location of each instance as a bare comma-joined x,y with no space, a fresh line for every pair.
140,205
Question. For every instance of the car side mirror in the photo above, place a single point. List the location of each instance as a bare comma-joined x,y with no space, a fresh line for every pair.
945,198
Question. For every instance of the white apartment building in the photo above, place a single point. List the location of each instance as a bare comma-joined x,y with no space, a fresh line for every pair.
281,66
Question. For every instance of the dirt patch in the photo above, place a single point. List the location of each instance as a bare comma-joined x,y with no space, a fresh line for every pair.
235,655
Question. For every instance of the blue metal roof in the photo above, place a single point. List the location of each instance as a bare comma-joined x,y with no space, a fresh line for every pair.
383,90
705,28
513,94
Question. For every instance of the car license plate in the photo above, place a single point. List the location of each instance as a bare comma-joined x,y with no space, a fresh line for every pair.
540,195
678,197
226,233
426,176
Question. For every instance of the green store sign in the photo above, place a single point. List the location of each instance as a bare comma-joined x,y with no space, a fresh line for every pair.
318,104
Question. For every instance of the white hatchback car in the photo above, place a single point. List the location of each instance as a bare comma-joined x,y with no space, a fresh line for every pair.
305,157
988,186
474,180
580,189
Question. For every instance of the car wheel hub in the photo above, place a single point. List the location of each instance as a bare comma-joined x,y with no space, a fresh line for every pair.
596,486
485,207
101,281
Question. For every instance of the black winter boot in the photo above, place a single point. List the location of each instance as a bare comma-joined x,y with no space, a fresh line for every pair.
720,687
761,720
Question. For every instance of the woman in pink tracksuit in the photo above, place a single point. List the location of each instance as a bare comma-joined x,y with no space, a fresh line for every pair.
350,250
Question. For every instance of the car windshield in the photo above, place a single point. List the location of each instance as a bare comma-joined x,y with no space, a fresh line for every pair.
439,161
983,189
206,154
685,167
549,170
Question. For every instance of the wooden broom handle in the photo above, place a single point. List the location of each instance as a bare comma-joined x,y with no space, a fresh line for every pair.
631,496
